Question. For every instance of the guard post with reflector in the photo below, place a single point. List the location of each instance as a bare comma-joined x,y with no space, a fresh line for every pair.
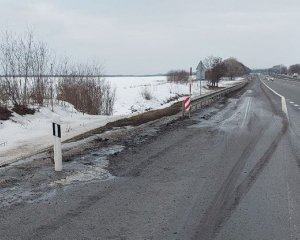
56,128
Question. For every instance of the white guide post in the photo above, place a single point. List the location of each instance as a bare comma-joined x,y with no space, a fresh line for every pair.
56,128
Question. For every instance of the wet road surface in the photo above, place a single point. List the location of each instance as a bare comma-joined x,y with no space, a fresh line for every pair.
229,172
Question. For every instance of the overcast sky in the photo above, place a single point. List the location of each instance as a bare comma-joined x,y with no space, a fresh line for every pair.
152,36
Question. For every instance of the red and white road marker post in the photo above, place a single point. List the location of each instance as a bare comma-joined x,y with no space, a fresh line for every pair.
190,84
187,104
56,128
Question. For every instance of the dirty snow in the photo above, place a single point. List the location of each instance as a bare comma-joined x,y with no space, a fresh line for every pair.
90,167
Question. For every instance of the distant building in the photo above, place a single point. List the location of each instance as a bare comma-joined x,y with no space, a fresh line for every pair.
200,71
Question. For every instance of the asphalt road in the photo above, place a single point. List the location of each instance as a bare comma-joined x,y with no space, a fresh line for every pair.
291,91
229,172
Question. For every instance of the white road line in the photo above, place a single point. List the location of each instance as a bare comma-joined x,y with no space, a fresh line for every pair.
292,102
283,101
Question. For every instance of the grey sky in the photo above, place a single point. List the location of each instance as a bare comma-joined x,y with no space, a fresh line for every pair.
151,36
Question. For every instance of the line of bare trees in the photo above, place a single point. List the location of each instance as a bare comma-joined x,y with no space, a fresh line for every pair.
23,56
88,94
278,69
26,67
217,68
178,76
282,69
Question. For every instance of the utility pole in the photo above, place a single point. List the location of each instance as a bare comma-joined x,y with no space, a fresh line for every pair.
51,89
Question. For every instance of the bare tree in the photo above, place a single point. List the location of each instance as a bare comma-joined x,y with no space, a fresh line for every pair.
86,89
211,61
10,68
215,69
40,66
24,63
25,50
214,75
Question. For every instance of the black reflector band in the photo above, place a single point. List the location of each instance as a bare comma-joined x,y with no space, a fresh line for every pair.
58,130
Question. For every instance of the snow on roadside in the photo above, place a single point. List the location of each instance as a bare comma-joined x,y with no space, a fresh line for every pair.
24,135
228,83
28,134
129,93
129,98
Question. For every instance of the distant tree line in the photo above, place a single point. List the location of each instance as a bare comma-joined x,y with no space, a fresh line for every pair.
278,69
216,68
178,76
26,67
282,69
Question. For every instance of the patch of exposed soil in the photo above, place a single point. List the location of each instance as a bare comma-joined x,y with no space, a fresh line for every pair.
23,110
5,114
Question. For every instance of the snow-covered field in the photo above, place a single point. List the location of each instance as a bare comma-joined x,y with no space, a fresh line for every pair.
23,135
129,93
